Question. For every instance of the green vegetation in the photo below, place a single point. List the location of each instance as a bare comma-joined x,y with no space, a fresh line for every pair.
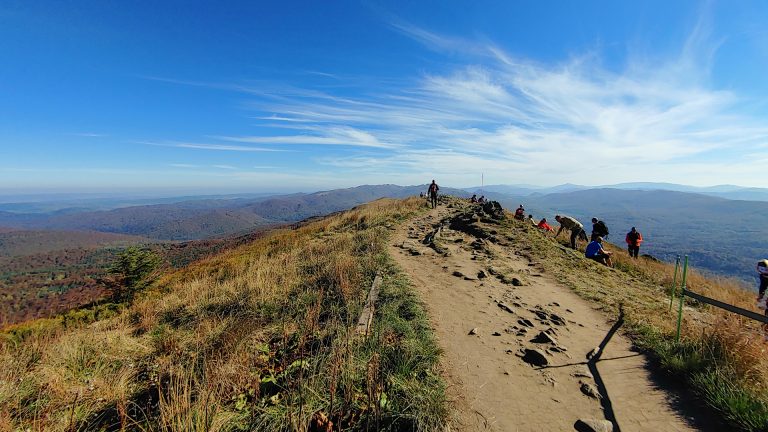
131,271
257,338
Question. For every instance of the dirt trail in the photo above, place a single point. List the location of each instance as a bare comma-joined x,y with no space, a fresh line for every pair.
490,384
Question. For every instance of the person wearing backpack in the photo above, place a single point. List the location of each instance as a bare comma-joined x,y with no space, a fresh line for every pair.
633,239
599,229
432,191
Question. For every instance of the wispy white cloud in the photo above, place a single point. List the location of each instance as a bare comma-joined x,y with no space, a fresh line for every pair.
88,134
225,167
206,146
183,165
519,120
331,135
525,121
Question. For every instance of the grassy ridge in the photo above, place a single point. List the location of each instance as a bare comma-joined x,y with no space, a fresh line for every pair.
722,356
258,338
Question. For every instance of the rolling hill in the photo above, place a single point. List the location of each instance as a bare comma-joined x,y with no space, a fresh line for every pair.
198,219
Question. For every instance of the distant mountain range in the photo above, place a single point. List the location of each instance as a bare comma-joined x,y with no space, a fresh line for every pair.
725,236
722,191
206,218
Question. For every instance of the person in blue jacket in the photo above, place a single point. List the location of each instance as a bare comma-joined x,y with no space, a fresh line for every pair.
596,252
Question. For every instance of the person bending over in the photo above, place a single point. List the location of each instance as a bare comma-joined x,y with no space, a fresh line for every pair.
569,223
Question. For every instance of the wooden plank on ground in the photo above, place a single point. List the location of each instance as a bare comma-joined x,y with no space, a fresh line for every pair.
366,317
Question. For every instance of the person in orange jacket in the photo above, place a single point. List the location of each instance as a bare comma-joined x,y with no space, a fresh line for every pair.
544,225
634,238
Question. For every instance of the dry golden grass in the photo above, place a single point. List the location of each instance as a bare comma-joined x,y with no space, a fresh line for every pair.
209,338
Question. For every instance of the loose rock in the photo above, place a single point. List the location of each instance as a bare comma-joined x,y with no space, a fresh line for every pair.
458,273
543,337
535,357
593,425
506,308
525,322
473,331
589,390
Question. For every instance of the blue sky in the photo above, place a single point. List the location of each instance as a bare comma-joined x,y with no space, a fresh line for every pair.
205,97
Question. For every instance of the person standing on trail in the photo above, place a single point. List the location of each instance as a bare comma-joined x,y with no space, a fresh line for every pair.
432,191
596,252
569,223
633,239
762,272
599,229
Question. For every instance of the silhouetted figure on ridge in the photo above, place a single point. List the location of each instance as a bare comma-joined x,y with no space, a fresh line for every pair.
432,191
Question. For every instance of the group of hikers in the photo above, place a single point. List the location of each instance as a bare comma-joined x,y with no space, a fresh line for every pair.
595,249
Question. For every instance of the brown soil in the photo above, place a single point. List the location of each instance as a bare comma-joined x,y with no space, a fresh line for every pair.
490,385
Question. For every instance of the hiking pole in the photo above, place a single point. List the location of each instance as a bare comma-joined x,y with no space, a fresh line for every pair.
674,282
682,295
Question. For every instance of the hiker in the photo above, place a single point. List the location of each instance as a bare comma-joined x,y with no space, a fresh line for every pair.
599,229
531,221
473,199
633,239
482,199
520,213
433,188
596,252
576,228
762,271
544,225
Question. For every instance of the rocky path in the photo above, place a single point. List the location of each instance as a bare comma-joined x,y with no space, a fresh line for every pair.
516,342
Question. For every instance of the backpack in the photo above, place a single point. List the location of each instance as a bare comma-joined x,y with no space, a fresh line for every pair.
601,228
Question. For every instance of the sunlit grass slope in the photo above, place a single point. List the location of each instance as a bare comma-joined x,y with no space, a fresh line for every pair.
259,338
722,356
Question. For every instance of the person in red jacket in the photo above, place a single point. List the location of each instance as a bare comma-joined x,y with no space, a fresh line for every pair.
544,225
634,238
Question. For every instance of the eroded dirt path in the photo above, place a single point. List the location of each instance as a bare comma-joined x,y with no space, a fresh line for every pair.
490,384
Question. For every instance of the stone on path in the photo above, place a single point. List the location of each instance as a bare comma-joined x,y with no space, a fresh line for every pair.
589,390
458,273
535,357
473,331
525,322
593,425
543,337
506,308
